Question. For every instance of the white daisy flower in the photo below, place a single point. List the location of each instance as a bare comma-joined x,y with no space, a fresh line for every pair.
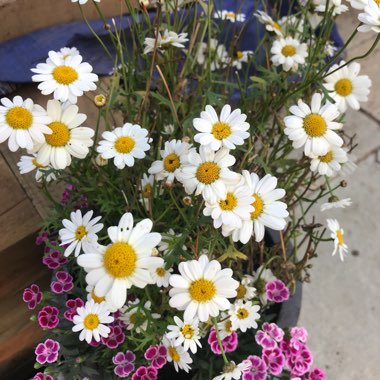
168,129
288,52
218,53
80,232
231,209
224,326
207,173
167,39
358,4
232,371
202,288
147,183
67,77
260,278
346,87
68,52
227,130
240,57
90,321
335,5
167,241
23,123
330,49
370,17
337,235
81,2
174,156
160,276
243,315
186,333
336,203
270,24
124,144
230,16
91,295
292,25
134,315
330,163
29,163
245,291
313,127
68,137
177,354
123,263
268,210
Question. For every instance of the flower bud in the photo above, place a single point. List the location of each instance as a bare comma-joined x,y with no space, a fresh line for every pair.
100,161
186,139
187,201
343,183
100,100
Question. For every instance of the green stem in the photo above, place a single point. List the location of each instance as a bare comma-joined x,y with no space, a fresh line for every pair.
220,341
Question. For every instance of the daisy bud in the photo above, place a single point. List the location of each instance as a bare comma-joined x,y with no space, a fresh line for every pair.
186,139
343,183
100,161
187,201
107,26
154,252
100,100
168,185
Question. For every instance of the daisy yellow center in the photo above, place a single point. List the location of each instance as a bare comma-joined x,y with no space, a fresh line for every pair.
239,55
160,272
80,232
241,291
221,130
228,326
276,26
133,318
187,331
124,144
171,162
174,354
202,290
231,14
288,51
314,125
377,2
147,191
339,235
37,165
343,87
19,118
91,321
258,204
60,135
229,203
242,313
120,260
65,75
208,172
328,157
96,298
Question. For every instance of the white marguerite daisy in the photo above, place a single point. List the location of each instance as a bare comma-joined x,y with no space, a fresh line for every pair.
125,262
80,232
186,333
161,275
270,24
177,354
336,203
370,17
330,49
231,209
90,320
334,6
346,87
22,123
29,163
337,235
67,77
68,52
246,291
232,371
224,326
313,127
288,52
240,57
202,288
168,240
207,173
147,183
260,278
164,41
68,137
268,210
330,163
230,16
227,130
174,156
244,315
218,54
124,144
358,4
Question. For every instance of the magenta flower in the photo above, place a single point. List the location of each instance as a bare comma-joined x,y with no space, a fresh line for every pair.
299,337
66,194
54,260
32,296
48,317
269,336
257,369
63,284
145,373
229,343
316,374
44,235
115,338
299,363
72,305
277,291
156,355
274,359
47,352
124,363
42,376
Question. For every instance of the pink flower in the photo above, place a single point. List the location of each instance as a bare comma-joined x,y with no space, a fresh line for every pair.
41,376
299,337
32,296
156,355
145,373
66,194
115,338
72,305
274,359
124,363
316,374
229,343
47,352
299,363
48,317
54,259
64,283
277,291
42,237
270,336
257,369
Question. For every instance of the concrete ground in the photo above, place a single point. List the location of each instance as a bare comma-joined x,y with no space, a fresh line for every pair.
341,305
